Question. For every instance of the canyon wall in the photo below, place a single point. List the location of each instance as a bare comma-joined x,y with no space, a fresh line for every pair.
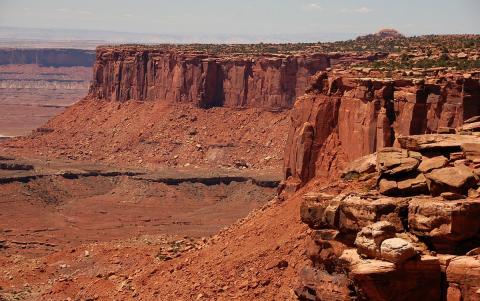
31,94
146,73
47,57
345,117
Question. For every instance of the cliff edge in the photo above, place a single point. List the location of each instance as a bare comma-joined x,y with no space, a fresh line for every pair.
235,80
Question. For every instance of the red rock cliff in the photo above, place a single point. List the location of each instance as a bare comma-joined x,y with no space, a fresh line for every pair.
346,117
141,73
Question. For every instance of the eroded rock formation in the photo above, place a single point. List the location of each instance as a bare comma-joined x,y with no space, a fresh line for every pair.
142,73
416,237
346,116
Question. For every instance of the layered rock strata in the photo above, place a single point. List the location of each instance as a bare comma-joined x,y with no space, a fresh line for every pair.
148,73
346,116
416,237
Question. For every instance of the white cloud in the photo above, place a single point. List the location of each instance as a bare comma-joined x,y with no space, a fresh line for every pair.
358,10
127,15
312,7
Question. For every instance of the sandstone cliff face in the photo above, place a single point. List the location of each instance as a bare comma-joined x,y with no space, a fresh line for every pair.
136,73
346,117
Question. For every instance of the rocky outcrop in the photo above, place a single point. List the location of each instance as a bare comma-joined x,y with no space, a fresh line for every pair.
345,117
463,277
366,253
445,165
421,241
448,227
419,253
48,57
152,73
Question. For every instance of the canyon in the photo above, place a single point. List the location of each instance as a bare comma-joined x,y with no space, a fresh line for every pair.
252,172
45,57
37,84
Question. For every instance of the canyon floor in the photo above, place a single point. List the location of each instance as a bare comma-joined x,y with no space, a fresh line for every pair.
62,211
31,94
106,197
86,214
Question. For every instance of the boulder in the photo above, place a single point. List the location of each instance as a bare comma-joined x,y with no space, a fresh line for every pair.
429,164
472,151
349,213
388,187
449,227
320,210
437,142
378,280
463,277
393,161
419,246
396,250
370,238
413,185
373,280
364,165
357,211
458,179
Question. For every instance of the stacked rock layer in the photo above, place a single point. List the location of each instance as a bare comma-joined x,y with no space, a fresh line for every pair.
412,232
147,73
345,117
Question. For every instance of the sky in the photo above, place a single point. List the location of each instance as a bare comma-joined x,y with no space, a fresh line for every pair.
247,17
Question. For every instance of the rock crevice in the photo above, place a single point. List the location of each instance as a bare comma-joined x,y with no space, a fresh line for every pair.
345,117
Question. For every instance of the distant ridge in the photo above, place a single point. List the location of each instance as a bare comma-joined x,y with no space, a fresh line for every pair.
384,34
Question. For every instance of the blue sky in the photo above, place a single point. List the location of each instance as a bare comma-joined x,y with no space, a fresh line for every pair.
256,17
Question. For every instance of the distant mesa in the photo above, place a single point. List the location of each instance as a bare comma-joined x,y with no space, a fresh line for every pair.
384,34
389,33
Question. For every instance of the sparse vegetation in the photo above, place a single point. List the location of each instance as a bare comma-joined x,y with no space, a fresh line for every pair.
459,52
425,63
425,44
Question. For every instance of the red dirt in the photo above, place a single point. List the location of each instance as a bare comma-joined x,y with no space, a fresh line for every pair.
124,223
30,95
63,212
123,244
245,262
149,134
